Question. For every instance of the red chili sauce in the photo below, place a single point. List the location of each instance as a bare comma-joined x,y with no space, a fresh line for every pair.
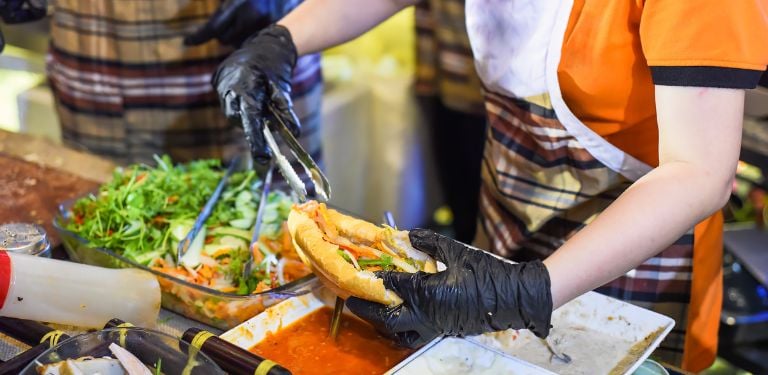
304,347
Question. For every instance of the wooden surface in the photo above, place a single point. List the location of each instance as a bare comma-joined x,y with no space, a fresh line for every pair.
46,153
36,175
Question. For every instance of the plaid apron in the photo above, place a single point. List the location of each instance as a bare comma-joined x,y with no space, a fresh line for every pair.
540,186
126,87
546,174
444,64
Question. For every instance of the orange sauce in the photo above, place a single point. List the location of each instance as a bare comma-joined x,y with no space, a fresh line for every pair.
304,347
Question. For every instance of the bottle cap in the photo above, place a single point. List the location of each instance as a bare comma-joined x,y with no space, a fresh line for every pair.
24,238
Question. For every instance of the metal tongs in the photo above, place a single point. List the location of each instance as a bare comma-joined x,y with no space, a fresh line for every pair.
253,246
322,186
207,210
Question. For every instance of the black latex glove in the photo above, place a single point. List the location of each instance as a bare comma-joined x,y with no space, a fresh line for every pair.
236,20
477,293
20,11
255,80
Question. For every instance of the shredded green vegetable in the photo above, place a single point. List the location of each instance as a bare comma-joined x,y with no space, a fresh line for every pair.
385,262
131,214
144,212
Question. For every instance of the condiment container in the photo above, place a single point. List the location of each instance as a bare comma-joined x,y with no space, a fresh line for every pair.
69,293
25,238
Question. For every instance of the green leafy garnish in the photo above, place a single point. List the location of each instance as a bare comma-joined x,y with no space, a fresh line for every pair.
385,262
144,212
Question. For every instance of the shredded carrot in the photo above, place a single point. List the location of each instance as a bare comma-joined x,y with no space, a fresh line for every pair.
286,237
294,269
258,256
357,250
260,287
321,218
205,271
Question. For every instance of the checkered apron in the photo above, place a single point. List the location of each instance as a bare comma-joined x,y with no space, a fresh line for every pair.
545,173
126,87
540,186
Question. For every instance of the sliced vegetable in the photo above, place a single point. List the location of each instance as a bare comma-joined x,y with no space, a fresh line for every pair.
144,213
131,364
192,257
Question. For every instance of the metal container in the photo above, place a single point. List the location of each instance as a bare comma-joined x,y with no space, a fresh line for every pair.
25,238
600,333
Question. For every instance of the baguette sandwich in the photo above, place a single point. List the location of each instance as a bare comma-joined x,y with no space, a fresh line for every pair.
346,251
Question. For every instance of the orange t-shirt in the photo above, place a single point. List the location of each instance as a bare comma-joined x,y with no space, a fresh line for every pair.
614,51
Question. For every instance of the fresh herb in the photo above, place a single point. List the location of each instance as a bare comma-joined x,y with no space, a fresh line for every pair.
385,262
344,255
144,212
132,214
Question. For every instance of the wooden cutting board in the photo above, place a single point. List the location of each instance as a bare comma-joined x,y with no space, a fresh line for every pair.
37,174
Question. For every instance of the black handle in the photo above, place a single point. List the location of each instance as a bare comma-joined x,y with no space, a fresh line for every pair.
232,358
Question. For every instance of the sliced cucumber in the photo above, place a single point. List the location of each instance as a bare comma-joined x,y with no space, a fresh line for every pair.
230,231
234,242
213,248
244,223
192,257
180,229
245,198
247,212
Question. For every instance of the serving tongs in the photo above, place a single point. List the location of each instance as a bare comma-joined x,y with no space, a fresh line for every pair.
206,212
322,186
254,245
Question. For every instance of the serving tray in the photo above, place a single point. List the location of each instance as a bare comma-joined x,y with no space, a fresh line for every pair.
602,335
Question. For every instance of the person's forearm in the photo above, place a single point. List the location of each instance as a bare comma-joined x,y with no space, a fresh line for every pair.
319,24
699,144
646,219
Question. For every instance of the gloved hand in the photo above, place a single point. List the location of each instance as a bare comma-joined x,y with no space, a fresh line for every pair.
236,20
477,293
255,81
20,11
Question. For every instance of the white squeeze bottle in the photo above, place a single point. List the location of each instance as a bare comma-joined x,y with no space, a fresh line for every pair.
62,292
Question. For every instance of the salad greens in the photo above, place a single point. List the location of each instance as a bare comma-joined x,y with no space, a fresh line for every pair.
144,212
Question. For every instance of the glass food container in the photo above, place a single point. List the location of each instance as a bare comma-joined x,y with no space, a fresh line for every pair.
161,352
209,306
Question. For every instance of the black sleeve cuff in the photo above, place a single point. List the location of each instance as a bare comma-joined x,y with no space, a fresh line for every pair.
705,76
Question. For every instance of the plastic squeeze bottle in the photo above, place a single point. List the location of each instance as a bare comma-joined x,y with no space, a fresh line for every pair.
62,292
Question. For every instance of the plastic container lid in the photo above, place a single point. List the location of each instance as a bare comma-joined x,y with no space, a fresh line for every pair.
24,238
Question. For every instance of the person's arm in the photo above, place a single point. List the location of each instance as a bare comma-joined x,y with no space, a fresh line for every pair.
699,143
319,24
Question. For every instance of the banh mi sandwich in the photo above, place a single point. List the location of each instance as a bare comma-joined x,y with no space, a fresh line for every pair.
347,251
